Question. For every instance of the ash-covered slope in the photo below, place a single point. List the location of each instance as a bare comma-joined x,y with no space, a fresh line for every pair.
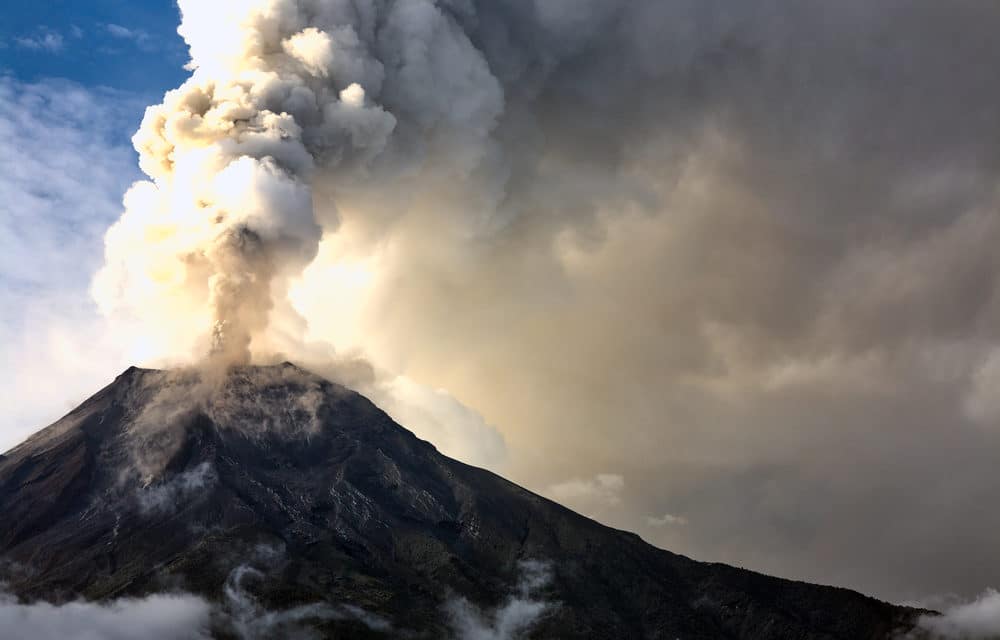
299,491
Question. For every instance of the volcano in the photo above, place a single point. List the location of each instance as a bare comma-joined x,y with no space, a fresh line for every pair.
275,487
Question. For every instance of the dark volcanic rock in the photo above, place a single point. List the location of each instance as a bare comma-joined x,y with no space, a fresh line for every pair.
162,481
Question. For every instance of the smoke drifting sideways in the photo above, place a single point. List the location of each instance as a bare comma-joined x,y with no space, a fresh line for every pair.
756,232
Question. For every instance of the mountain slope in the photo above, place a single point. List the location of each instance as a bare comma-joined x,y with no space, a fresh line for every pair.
277,482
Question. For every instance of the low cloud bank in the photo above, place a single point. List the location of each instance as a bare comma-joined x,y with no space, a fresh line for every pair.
177,616
975,620
189,617
158,617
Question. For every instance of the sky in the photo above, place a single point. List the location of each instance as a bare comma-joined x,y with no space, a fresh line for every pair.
74,81
130,46
722,275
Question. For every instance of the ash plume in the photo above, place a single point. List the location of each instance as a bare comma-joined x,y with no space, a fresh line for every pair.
764,233
230,154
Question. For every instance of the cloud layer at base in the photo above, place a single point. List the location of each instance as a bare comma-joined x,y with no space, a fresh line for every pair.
180,616
975,620
158,617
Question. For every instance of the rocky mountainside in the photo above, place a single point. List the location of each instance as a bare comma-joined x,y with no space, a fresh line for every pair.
273,490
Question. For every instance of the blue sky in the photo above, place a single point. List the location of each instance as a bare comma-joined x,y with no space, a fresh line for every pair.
75,78
131,45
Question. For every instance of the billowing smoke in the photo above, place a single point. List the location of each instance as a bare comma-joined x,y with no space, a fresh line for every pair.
278,90
978,619
754,241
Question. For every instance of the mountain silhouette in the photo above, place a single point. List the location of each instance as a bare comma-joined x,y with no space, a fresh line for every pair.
270,489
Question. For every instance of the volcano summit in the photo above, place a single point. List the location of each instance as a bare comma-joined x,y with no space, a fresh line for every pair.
287,502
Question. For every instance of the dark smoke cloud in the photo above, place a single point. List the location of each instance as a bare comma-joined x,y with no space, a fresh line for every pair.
741,255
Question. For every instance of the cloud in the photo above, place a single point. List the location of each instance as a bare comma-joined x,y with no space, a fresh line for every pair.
180,616
603,490
139,37
514,618
251,621
434,415
684,250
160,617
60,186
177,616
975,620
667,519
744,255
168,496
231,169
43,40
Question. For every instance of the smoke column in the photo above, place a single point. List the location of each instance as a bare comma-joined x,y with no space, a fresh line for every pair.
278,89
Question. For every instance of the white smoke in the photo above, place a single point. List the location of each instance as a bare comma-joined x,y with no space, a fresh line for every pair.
158,617
975,620
177,616
514,618
286,97
235,402
181,616
227,213
250,620
167,496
